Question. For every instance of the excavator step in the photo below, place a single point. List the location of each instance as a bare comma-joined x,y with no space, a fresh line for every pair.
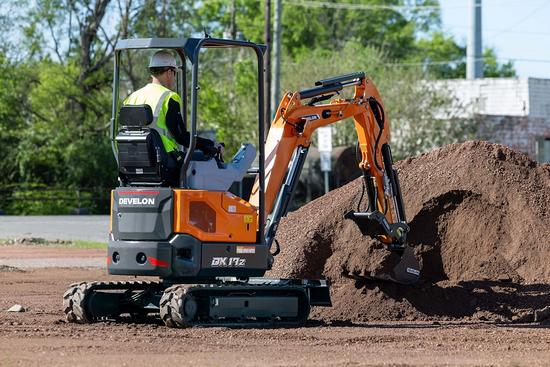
257,302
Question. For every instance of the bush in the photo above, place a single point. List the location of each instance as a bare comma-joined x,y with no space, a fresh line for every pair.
42,200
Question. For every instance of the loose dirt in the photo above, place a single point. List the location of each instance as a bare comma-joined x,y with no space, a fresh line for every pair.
480,225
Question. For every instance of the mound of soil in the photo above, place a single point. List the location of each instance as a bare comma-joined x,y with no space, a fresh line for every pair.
480,225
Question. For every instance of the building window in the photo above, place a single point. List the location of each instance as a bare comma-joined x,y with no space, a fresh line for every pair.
543,150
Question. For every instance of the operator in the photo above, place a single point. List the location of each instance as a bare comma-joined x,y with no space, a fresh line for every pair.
166,107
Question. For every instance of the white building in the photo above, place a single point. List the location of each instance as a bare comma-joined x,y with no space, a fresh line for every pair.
510,111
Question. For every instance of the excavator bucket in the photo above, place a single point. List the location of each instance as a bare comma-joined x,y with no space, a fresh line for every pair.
407,270
402,263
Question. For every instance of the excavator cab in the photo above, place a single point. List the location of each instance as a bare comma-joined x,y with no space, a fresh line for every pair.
208,247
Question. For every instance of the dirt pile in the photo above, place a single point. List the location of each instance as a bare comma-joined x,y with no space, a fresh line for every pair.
480,225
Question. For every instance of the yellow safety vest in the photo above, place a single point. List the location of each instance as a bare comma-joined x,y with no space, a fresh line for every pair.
157,97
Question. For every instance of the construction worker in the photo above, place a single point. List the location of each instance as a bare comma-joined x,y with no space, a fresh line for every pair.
166,107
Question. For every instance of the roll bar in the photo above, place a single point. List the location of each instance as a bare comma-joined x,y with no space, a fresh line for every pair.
190,48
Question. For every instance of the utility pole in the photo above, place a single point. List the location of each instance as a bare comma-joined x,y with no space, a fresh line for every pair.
233,26
474,50
276,86
267,66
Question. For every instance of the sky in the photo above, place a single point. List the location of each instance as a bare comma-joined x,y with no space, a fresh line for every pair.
516,29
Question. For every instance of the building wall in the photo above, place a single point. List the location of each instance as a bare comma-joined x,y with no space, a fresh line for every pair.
489,96
518,132
509,111
539,98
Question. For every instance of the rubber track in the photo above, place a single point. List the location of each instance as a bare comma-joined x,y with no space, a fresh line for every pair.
172,306
171,303
74,299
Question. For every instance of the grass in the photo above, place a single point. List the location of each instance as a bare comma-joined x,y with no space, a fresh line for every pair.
88,244
81,244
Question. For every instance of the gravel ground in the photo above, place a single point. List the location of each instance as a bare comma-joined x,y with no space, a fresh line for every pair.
41,337
61,227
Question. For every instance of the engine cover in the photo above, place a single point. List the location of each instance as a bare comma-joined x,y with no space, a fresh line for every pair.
142,214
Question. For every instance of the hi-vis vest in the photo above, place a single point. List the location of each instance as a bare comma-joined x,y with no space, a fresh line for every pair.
157,97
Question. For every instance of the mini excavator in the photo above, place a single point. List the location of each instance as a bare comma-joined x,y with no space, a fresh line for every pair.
208,247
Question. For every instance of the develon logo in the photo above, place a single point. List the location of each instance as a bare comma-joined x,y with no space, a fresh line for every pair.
136,201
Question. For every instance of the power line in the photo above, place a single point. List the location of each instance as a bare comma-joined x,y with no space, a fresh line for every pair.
446,62
500,30
350,6
529,15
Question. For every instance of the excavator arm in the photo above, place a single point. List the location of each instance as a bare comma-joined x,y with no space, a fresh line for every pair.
299,114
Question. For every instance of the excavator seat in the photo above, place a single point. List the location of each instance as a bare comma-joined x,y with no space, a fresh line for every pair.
142,159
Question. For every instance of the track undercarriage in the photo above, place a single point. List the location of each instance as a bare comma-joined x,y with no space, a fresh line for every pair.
255,302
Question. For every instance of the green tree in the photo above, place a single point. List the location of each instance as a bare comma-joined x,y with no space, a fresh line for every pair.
443,58
493,69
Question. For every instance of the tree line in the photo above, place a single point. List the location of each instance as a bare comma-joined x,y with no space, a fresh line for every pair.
56,75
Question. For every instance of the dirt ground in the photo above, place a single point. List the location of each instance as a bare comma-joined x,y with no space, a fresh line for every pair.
41,337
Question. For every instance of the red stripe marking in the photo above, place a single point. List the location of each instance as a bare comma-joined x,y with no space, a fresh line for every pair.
108,260
157,262
138,192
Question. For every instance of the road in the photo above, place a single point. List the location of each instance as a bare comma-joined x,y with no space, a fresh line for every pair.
58,227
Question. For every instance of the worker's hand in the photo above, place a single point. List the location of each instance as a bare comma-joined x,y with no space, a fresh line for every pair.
220,147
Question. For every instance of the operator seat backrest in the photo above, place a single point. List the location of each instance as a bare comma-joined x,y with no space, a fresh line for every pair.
135,116
142,159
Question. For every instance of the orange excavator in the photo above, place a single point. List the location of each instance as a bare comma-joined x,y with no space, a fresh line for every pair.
209,247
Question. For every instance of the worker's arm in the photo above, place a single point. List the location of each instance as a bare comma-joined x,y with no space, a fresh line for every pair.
175,125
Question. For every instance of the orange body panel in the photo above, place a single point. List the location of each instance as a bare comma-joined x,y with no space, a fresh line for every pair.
213,216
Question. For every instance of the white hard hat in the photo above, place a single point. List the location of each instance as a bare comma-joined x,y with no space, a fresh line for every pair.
162,59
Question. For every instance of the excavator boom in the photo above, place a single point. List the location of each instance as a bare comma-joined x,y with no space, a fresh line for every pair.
286,149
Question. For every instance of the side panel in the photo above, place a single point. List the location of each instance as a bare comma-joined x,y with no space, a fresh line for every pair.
213,216
222,259
142,214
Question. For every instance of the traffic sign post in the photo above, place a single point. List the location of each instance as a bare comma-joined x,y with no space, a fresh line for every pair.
324,140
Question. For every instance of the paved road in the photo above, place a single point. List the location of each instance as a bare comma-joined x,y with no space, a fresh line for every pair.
59,227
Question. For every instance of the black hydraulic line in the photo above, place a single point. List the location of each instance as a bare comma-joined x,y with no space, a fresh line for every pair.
371,190
379,116
285,194
399,196
341,78
317,91
394,181
332,85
